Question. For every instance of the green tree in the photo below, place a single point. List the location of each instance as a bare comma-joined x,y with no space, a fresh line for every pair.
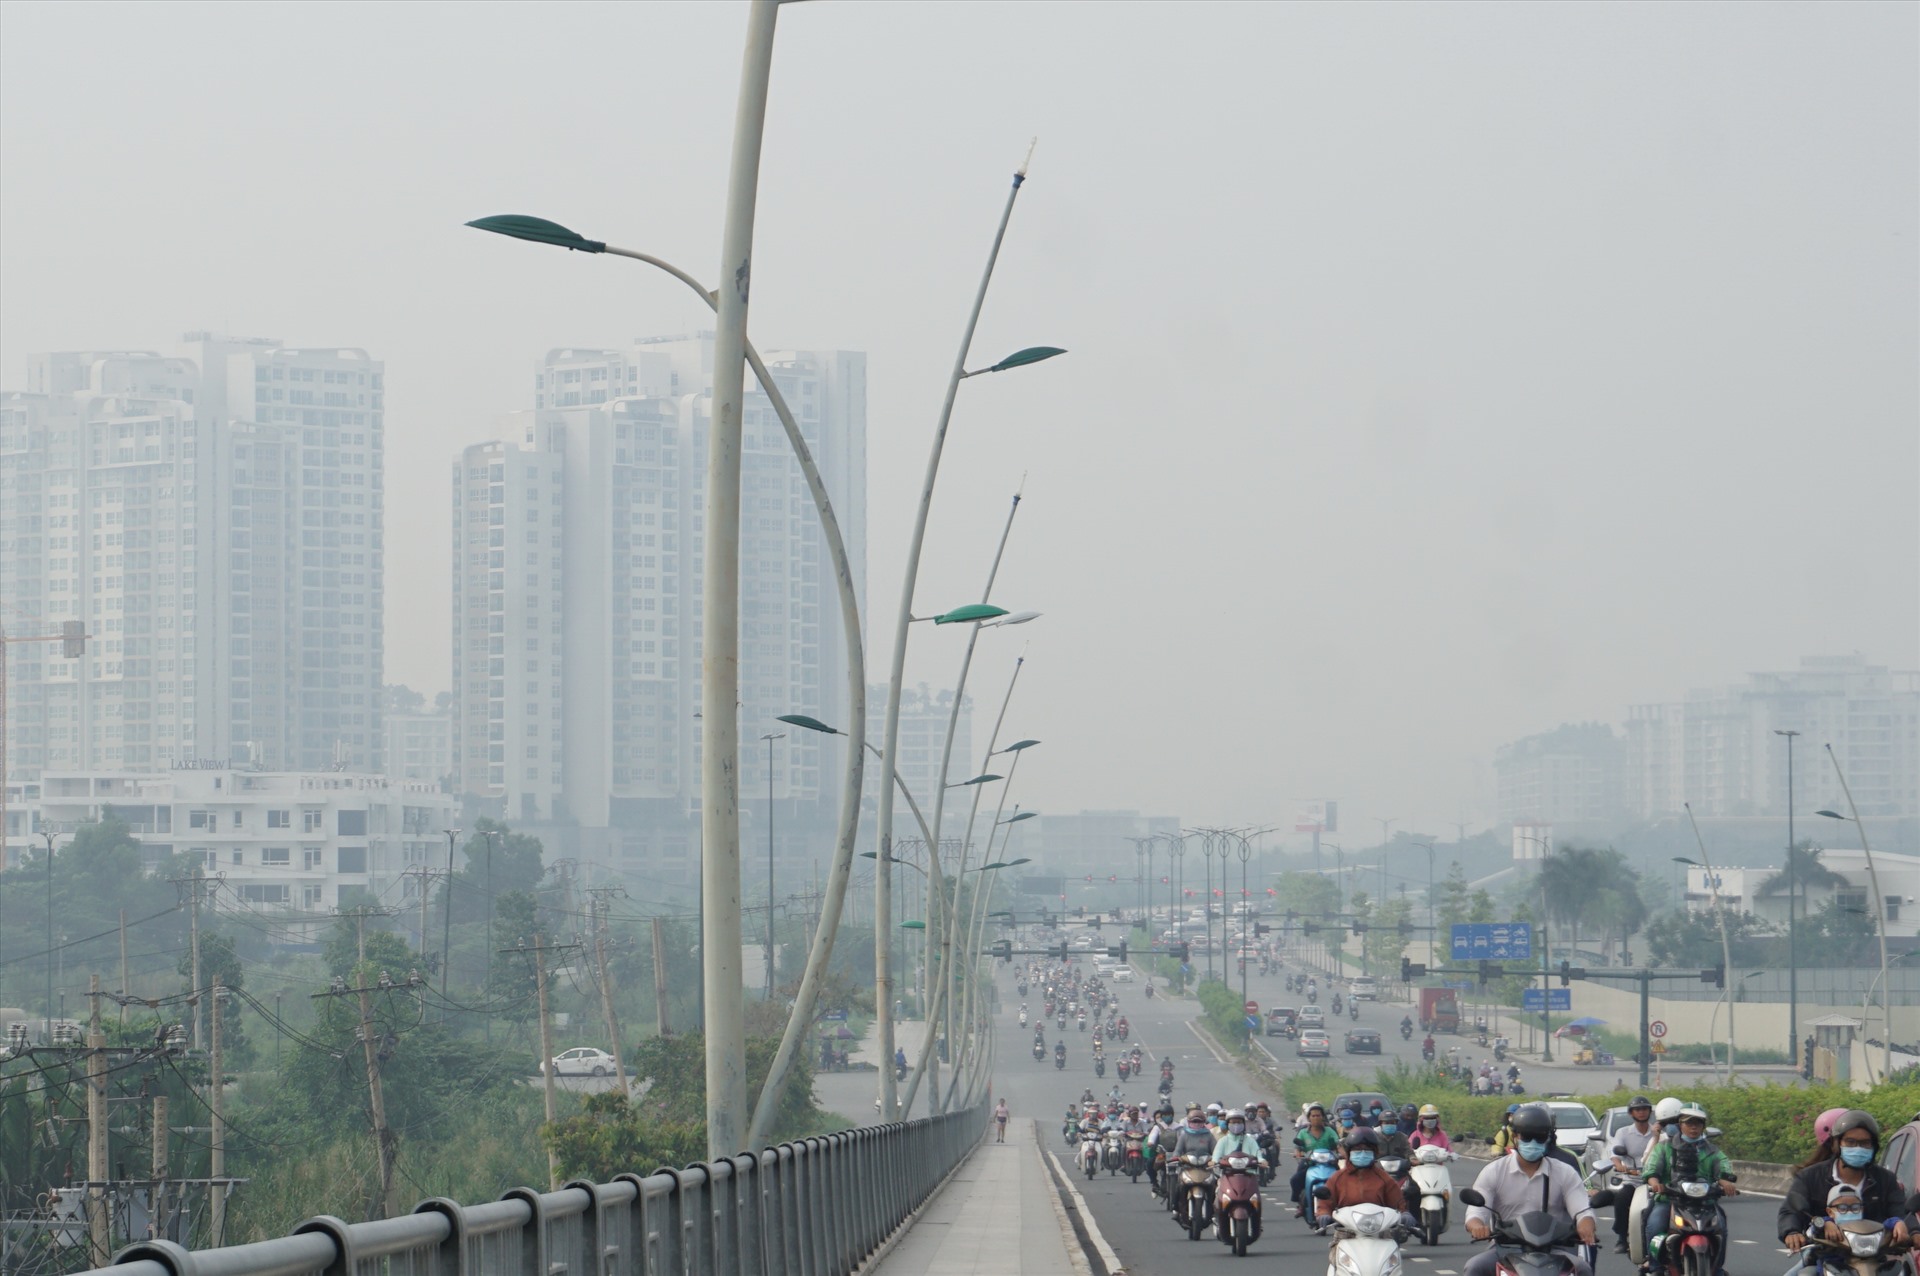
1454,906
1306,894
517,865
1841,935
218,959
1480,909
1685,938
1386,939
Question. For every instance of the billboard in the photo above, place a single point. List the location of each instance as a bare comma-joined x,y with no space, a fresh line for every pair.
1043,886
1317,817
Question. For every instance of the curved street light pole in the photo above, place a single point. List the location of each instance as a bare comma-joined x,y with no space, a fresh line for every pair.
1720,914
1177,851
1429,848
1880,907
890,735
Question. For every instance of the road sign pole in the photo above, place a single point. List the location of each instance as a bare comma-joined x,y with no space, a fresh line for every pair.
1646,1045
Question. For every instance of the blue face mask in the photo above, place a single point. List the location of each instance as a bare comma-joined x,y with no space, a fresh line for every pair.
1673,1131
1532,1151
1388,1127
1848,1216
1361,1158
1695,1138
1856,1158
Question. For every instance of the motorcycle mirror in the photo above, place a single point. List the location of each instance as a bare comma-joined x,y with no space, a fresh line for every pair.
1471,1197
1713,1131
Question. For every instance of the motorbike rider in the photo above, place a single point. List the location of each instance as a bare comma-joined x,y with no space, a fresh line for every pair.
1823,1145
1428,1133
1503,1137
1810,1201
1393,1140
1666,1119
1315,1137
1361,1182
1060,1051
1159,1138
1427,1048
1709,1163
1513,1185
1637,1140
1406,1025
1193,1138
1237,1139
1513,1075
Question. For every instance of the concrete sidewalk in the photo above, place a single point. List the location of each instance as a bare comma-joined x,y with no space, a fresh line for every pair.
999,1215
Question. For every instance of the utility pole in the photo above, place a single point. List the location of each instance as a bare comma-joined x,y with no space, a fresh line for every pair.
99,1218
124,990
600,904
540,948
156,1210
217,1164
376,1096
446,917
1793,928
660,1024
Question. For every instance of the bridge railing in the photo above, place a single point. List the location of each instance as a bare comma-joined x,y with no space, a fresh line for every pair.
811,1208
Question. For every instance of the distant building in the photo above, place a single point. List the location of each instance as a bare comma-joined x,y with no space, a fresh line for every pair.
1742,890
1569,775
1100,844
272,841
420,746
1718,749
578,544
214,518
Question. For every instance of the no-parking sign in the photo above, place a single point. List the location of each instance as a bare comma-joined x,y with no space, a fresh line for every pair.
1657,1029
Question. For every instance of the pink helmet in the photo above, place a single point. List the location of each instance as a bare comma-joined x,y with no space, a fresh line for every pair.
1823,1124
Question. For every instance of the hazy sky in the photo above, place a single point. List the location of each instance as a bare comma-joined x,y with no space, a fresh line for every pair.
1439,372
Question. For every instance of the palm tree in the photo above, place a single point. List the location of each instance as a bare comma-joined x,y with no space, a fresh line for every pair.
1803,871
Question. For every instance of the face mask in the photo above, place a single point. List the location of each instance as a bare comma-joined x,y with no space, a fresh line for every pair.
1432,1123
1196,1124
1346,1123
1236,1127
1848,1216
1388,1127
1673,1131
1361,1159
1695,1138
1856,1158
1531,1151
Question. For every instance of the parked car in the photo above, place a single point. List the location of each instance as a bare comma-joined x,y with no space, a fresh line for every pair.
1363,1041
1314,1042
1280,1021
1573,1125
1900,1151
583,1061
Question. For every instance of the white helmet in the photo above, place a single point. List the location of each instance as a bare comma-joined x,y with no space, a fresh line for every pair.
1235,1114
1213,1109
1692,1112
1668,1109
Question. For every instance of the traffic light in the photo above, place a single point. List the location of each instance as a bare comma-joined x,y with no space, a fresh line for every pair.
1359,927
1717,976
1487,972
73,639
1118,950
1566,974
1058,952
1261,928
1094,921
1003,949
1089,879
1308,928
1112,878
1180,953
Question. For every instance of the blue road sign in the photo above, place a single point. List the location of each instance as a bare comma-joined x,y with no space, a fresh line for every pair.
1557,999
833,1016
1493,941
1253,1023
1458,985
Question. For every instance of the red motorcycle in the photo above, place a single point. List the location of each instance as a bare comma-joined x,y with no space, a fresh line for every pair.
1121,1028
1236,1212
1136,1162
1124,1068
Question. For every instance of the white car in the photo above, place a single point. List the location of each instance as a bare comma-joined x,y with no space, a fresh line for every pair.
1123,975
582,1061
1574,1125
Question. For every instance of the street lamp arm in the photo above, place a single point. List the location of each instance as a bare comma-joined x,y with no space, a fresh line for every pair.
1880,906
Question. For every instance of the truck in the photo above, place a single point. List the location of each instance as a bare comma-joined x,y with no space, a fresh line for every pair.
1439,1011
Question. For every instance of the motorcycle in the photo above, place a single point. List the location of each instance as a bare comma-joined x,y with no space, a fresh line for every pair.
1513,1083
1089,1155
1695,1241
1426,1053
1353,1011
1039,1052
1237,1204
1365,1243
1533,1243
1023,1018
1122,1068
1395,1168
1313,995
1083,1022
1320,1167
1070,1132
1434,1183
1166,1086
1338,1006
1193,1203
1099,1065
1123,1029
1867,1251
1060,1060
1112,1153
1481,1037
1060,1025
1149,992
1136,1158
1500,1049
1406,1032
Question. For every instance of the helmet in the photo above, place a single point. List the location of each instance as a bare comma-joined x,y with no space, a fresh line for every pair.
1409,1113
1823,1124
1363,1138
1666,1110
1235,1114
1312,1108
1694,1112
1639,1101
1512,1108
1430,1111
1213,1109
1533,1122
1854,1119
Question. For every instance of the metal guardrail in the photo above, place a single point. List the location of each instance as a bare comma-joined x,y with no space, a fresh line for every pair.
811,1208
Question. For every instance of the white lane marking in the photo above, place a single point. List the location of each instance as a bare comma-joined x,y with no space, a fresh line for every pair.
1217,1056
1738,1241
1445,1271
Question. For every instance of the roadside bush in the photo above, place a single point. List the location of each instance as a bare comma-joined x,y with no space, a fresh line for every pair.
1226,1013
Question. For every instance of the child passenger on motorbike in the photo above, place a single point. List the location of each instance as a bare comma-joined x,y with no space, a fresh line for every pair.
1811,1204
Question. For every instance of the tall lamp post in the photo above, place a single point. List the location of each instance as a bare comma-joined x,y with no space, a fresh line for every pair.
1429,849
1245,852
446,916
1206,849
1720,911
1880,908
770,737
1793,920
1177,851
487,1024
1546,950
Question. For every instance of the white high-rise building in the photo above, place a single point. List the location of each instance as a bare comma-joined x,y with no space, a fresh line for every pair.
924,715
578,539
214,518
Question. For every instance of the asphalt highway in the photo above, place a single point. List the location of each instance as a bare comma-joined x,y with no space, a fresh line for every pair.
1143,1234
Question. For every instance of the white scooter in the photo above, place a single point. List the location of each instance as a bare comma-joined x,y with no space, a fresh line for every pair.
1364,1242
1090,1151
1434,1182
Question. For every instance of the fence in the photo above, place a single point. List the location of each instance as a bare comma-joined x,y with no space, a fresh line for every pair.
815,1207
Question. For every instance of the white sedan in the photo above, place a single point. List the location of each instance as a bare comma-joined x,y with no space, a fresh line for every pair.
1123,975
583,1061
1574,1125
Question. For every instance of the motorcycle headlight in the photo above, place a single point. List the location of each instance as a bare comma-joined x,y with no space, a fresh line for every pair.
1865,1244
1344,1261
1393,1265
1696,1190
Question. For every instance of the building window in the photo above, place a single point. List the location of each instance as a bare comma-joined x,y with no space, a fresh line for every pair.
310,861
200,819
353,824
310,821
279,819
264,894
276,856
353,859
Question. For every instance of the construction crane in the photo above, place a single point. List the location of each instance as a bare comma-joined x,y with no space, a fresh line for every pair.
72,638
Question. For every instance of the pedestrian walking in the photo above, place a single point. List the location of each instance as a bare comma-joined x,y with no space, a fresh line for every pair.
1000,1121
